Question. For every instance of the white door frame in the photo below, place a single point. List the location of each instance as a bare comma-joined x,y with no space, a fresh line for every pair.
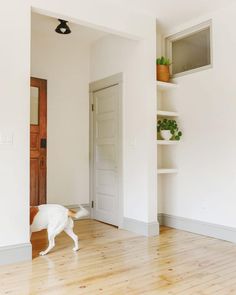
113,80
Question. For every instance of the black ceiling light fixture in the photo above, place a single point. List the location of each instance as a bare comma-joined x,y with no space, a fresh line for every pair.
63,28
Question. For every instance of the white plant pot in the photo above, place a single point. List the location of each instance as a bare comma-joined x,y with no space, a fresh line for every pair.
166,134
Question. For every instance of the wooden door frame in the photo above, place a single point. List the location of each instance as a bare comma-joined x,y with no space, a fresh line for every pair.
110,81
42,85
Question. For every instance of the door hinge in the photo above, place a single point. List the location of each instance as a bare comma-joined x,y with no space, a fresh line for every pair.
92,204
92,107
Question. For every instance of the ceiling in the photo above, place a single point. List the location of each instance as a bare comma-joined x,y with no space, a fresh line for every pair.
47,25
172,13
169,13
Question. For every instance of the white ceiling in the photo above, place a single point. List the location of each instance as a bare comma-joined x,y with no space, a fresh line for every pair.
172,13
47,25
169,13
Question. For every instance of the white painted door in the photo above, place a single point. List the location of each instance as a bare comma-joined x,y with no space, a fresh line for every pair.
105,155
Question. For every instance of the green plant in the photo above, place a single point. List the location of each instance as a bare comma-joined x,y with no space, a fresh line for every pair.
163,61
167,124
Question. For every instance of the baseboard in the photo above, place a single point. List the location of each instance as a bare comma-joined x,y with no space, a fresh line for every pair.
76,207
141,227
161,218
15,253
199,227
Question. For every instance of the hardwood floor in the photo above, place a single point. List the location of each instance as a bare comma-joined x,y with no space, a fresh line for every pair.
112,261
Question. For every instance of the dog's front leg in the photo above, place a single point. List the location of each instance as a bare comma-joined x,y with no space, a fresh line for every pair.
50,246
51,241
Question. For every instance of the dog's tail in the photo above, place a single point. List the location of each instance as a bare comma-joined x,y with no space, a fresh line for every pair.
79,214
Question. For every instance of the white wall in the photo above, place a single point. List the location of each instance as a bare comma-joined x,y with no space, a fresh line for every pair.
14,110
64,62
111,55
205,186
14,119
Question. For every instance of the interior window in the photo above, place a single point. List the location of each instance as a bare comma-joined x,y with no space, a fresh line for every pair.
190,50
34,105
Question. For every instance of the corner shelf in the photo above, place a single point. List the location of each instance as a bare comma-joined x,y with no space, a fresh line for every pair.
162,86
167,142
167,114
167,171
167,166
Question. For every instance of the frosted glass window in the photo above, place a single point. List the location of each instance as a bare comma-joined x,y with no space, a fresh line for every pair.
190,50
34,105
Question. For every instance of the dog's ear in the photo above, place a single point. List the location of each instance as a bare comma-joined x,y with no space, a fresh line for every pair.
33,213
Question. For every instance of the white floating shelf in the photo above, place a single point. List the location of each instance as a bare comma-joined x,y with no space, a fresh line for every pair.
162,86
167,171
167,142
167,114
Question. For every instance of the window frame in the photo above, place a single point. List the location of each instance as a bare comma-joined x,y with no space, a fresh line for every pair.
185,33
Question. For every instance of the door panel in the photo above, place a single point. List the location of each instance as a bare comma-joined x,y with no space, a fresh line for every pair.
106,127
106,156
105,153
34,141
34,181
38,131
106,182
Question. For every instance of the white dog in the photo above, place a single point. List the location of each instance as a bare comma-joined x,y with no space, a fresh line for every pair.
55,218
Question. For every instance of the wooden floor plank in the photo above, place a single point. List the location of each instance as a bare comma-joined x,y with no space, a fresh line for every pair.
116,262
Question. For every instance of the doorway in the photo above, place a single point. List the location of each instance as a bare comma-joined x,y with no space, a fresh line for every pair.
68,149
106,149
38,141
64,61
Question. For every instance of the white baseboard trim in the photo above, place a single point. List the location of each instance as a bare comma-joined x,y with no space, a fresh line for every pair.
141,227
199,227
76,207
15,253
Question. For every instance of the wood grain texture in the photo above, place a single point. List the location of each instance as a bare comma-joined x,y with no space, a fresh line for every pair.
37,153
34,181
117,262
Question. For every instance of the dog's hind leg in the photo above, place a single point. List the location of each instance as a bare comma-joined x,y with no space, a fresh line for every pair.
69,231
74,237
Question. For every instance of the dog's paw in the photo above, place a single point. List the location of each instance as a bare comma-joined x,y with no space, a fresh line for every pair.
42,253
75,249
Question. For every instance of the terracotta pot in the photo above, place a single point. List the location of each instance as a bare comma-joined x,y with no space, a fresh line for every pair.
163,73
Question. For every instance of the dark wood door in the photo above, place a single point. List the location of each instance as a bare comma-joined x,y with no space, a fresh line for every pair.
38,141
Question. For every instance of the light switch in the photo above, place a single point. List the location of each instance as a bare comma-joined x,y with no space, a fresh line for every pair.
6,138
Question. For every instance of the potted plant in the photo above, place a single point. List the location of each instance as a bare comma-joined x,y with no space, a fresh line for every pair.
163,69
168,129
